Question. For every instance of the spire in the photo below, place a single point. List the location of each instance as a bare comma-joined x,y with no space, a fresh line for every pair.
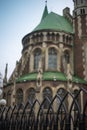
5,77
45,13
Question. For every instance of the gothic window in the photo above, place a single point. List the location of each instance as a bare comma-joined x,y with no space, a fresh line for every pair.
19,96
61,92
57,37
31,95
41,37
49,36
47,93
37,56
53,36
52,58
82,11
63,38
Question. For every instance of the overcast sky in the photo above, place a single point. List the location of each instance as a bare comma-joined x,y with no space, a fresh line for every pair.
17,18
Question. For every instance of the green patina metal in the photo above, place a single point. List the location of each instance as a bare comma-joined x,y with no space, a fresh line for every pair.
56,22
45,13
50,76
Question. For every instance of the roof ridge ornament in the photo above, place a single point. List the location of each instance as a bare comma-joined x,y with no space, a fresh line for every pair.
45,12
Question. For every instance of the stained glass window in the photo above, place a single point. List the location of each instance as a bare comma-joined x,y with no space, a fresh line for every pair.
19,96
31,95
52,58
37,56
62,92
47,93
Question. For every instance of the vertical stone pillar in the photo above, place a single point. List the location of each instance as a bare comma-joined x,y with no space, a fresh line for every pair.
60,56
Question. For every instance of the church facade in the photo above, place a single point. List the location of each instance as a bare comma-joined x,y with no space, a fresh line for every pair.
54,58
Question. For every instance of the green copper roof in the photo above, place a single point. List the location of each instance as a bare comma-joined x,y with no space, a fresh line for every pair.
56,22
28,77
56,76
45,13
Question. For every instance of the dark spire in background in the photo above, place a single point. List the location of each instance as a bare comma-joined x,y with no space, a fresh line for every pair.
5,77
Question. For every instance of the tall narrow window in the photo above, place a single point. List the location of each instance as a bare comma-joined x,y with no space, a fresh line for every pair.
47,93
61,92
37,56
19,96
31,95
52,58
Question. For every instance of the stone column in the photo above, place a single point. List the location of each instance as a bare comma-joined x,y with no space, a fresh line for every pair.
84,41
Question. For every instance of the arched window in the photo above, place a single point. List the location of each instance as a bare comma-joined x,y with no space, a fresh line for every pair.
19,96
37,56
64,38
52,58
31,95
57,37
47,93
62,92
48,36
82,11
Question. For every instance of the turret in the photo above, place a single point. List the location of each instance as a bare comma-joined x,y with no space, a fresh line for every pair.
80,7
80,29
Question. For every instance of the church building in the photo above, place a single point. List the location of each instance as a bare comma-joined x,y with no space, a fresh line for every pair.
54,58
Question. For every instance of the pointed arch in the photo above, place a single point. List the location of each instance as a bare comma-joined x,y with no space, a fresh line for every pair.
62,92
19,96
47,94
31,95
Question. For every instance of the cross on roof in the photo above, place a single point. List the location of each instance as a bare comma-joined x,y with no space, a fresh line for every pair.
46,2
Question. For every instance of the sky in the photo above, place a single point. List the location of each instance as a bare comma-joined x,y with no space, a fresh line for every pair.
18,18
